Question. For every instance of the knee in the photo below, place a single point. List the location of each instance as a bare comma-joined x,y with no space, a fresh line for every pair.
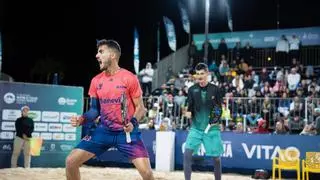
187,155
71,162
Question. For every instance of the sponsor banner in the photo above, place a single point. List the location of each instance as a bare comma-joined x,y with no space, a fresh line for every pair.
11,114
58,136
50,116
35,115
69,128
42,127
46,136
51,107
6,135
69,136
35,134
63,101
7,126
55,127
66,116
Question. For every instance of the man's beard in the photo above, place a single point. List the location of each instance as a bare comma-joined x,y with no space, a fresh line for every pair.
106,65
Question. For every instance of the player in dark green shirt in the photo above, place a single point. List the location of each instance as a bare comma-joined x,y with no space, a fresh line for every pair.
204,107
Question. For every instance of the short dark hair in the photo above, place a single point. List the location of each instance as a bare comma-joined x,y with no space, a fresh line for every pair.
112,44
201,66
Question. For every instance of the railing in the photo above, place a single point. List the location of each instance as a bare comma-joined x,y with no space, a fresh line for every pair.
308,56
244,109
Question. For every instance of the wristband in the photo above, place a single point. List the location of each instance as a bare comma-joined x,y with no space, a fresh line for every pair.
134,122
82,119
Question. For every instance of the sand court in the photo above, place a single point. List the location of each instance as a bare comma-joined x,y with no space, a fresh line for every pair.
103,173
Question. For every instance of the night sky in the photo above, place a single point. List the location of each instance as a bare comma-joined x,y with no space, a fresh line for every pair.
66,31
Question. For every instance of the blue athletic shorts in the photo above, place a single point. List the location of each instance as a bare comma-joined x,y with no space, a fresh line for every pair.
101,139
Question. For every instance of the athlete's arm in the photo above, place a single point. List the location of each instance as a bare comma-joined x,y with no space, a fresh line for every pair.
140,109
190,104
93,112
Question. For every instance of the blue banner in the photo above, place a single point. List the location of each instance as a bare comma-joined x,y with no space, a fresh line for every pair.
251,151
184,18
171,35
261,39
136,60
51,107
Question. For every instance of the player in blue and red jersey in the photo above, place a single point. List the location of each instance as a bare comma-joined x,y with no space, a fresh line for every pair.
105,92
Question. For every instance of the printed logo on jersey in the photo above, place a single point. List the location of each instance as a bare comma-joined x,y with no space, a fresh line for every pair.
121,87
110,101
99,86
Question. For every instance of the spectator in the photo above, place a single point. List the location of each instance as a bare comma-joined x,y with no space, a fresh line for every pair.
282,50
293,80
222,48
237,50
262,127
147,75
248,52
24,127
280,128
237,82
192,51
239,128
294,47
179,82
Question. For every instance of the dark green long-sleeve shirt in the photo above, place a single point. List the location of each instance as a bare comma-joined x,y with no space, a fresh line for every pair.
201,101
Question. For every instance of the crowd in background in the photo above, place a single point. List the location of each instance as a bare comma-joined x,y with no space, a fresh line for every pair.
281,100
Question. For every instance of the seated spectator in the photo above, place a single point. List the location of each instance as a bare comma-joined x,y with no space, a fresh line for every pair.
243,66
254,112
280,128
284,105
180,99
226,115
237,82
266,89
223,70
293,80
309,130
179,82
264,76
248,82
239,128
296,122
215,81
189,82
262,127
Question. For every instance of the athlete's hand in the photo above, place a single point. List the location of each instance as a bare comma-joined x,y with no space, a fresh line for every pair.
128,127
76,121
188,114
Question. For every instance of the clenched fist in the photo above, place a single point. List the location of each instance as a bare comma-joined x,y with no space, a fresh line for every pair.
76,120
